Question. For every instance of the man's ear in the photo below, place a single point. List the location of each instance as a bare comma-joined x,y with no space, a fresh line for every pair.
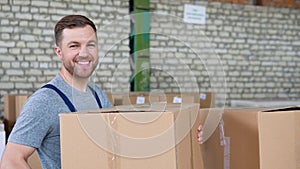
58,52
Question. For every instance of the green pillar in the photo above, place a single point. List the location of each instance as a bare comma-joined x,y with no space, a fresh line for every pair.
139,45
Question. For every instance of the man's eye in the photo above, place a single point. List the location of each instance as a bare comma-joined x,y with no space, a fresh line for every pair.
91,45
73,46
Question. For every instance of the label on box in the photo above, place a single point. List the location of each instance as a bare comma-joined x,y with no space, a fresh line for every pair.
140,100
177,99
202,96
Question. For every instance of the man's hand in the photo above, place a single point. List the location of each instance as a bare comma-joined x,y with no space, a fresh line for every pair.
199,135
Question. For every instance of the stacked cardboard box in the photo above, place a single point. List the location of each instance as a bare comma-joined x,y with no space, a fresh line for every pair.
127,137
206,99
255,138
13,104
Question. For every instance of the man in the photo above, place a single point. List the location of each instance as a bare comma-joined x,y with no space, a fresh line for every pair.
37,127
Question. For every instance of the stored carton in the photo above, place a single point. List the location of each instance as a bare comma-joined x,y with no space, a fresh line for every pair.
206,99
13,104
127,137
253,138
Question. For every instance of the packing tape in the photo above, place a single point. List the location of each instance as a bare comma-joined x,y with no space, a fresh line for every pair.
225,143
222,133
227,153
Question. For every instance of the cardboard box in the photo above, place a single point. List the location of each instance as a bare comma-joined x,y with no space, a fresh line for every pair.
127,137
133,98
206,99
256,138
279,134
34,161
177,97
13,104
19,102
10,108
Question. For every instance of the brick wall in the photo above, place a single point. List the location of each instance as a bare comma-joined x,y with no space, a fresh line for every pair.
255,49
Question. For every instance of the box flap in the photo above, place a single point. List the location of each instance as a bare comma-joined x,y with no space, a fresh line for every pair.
157,107
280,109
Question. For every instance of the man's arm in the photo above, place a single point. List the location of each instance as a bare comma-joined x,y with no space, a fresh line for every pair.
15,156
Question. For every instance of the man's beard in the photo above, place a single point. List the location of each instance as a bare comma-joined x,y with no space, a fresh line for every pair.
75,72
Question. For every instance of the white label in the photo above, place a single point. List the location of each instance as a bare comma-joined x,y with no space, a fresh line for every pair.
202,96
194,14
140,100
177,99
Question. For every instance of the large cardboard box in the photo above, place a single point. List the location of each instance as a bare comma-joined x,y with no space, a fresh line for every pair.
13,104
255,138
127,137
180,97
132,98
206,99
279,135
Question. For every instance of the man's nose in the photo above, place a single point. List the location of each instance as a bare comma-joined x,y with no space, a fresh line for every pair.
83,52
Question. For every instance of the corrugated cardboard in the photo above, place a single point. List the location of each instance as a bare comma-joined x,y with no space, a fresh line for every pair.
279,138
206,99
20,101
86,136
139,98
13,106
183,97
10,107
255,138
34,161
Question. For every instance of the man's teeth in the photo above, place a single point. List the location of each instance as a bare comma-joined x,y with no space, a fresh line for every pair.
83,62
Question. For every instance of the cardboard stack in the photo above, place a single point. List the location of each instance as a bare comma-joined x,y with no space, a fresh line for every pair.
255,138
13,104
127,137
206,99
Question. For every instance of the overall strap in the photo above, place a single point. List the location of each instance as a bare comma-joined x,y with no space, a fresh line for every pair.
62,95
97,97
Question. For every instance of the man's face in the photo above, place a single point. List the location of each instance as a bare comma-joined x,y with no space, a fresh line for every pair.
78,51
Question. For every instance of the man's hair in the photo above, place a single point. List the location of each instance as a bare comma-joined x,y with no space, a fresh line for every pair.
71,21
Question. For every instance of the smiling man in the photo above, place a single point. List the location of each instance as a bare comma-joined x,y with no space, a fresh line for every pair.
37,127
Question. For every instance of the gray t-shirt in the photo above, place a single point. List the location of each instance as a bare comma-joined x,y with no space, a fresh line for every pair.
38,123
